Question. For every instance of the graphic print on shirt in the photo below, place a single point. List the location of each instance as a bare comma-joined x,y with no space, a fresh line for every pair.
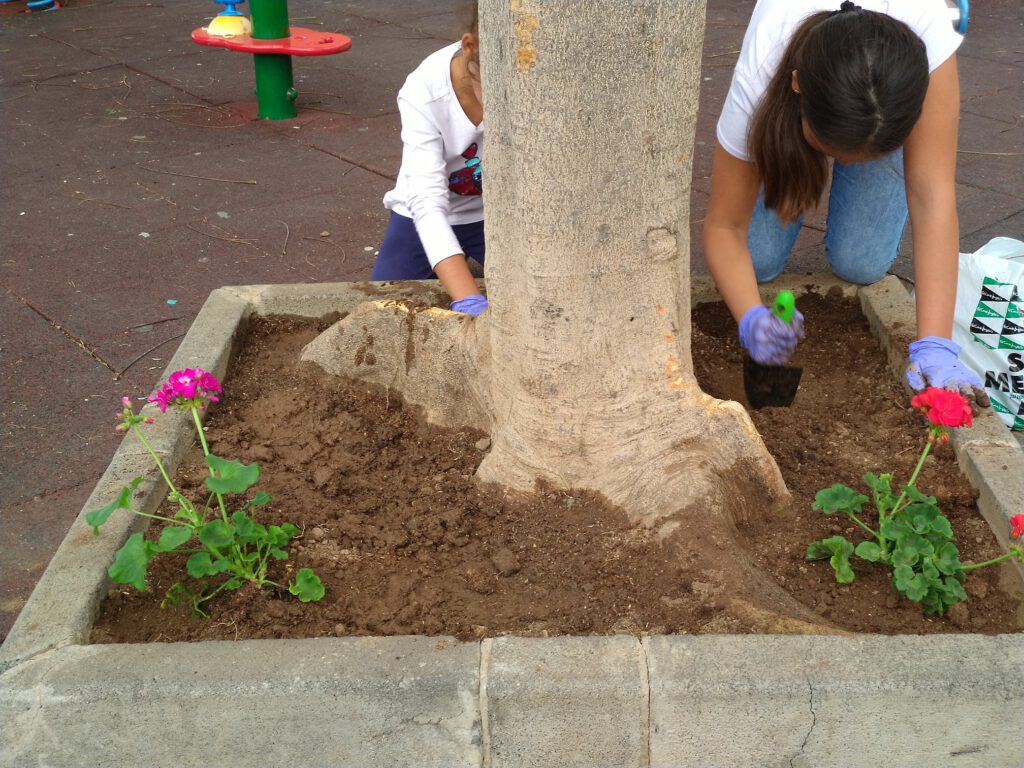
467,181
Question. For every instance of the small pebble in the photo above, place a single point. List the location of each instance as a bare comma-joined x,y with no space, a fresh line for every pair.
505,561
318,534
960,615
262,453
483,444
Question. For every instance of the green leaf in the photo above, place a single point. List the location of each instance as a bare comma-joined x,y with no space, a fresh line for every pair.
920,516
913,585
307,586
952,588
895,529
869,550
838,498
261,499
910,549
173,536
178,594
244,525
947,559
940,525
279,535
131,562
881,491
915,495
231,476
840,550
201,564
217,534
278,554
98,517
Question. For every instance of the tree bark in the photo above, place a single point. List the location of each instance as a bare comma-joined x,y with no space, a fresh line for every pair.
581,368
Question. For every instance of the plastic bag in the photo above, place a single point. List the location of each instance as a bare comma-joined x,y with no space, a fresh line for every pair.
989,323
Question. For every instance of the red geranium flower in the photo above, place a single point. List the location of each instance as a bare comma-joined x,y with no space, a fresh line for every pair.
1017,521
944,407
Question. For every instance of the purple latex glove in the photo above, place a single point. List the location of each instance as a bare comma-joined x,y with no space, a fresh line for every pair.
934,363
768,339
473,304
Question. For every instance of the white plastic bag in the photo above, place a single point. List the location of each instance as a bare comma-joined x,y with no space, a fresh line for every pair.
989,323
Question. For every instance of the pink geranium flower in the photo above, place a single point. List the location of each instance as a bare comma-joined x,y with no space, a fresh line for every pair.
187,388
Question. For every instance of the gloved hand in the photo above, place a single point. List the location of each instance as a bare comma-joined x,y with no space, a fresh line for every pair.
768,339
934,363
473,304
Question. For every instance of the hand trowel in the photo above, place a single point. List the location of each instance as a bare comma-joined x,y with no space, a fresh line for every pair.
772,384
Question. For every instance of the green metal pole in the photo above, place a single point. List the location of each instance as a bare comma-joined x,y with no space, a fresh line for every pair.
275,86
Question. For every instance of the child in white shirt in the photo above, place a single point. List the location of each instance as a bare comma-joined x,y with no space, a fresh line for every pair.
436,206
876,89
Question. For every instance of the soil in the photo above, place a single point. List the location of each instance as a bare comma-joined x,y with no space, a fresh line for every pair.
407,543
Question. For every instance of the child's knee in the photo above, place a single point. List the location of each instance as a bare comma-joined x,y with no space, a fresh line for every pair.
769,263
766,272
858,265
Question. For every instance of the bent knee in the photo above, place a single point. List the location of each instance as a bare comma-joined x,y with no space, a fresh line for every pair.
859,266
765,273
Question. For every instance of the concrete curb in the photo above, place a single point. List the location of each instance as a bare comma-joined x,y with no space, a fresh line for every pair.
586,701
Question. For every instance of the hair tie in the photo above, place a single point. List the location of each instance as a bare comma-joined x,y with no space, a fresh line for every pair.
847,5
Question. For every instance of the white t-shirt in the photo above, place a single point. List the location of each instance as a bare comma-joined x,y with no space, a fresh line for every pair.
439,183
771,27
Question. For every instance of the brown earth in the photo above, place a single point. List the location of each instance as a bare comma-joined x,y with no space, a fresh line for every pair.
407,543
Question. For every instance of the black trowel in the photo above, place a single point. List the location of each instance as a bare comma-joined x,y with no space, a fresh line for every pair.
772,385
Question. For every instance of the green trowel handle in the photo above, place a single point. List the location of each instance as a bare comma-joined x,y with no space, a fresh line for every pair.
784,306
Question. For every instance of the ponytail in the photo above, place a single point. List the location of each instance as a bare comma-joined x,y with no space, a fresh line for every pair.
793,172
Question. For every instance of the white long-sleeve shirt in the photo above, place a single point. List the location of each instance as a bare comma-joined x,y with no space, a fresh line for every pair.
771,27
439,183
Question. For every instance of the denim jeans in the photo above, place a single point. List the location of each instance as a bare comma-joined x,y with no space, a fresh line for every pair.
867,211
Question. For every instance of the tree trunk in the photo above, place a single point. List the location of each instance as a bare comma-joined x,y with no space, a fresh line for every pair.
581,368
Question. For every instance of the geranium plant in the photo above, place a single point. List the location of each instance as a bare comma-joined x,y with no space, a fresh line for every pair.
911,535
233,547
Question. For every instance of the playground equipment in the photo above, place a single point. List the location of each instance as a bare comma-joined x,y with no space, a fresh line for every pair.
230,22
273,43
959,12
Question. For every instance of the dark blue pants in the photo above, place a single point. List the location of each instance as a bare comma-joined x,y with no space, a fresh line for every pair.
402,257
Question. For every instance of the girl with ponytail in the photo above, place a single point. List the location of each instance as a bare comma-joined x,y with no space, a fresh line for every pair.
874,89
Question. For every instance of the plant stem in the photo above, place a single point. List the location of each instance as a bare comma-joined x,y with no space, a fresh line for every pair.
206,452
159,464
913,478
156,517
199,430
857,520
993,561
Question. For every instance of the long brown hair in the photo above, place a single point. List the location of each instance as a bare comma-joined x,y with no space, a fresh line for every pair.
862,77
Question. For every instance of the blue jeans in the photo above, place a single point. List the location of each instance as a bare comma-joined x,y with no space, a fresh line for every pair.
867,211
401,255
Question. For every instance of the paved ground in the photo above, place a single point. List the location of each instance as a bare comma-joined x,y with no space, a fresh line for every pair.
135,180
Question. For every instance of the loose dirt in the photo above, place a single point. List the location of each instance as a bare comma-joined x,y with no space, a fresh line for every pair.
407,543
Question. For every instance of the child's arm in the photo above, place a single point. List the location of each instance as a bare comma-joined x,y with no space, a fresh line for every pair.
455,276
423,163
929,162
929,166
734,188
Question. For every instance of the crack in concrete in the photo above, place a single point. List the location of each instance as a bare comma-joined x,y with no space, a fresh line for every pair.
810,730
645,705
485,727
